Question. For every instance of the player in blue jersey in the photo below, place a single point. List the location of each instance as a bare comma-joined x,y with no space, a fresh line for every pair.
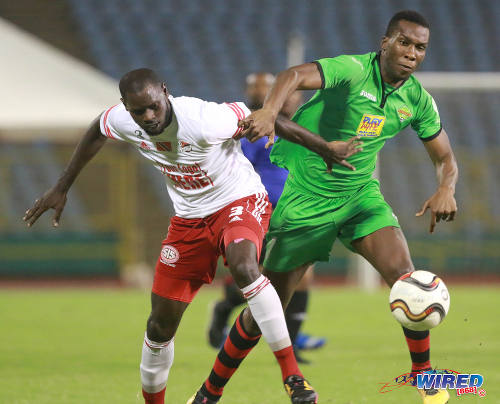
273,178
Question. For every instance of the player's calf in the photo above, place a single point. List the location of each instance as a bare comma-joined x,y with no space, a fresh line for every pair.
157,359
158,347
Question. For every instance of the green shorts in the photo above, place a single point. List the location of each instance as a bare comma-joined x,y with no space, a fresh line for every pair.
303,227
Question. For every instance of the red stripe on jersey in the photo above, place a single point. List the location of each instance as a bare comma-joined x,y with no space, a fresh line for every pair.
236,109
105,122
239,109
238,131
239,114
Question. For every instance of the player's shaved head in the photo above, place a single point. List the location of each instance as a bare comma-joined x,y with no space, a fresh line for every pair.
258,84
136,80
406,15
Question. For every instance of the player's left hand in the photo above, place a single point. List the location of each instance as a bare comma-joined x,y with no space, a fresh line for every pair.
443,206
339,151
258,124
245,124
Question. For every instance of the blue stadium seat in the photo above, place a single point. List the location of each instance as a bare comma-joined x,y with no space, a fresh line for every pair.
205,49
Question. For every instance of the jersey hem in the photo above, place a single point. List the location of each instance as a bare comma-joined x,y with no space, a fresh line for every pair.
322,74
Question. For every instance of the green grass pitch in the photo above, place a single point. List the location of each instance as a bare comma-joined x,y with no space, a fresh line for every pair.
83,346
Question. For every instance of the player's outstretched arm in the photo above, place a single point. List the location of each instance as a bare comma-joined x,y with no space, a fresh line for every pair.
332,152
55,197
442,204
261,122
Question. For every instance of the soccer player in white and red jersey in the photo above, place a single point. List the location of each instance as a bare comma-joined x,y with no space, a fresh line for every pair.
221,208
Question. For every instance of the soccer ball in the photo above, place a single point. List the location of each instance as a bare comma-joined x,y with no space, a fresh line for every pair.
419,300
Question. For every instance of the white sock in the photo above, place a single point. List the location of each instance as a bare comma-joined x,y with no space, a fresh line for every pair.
266,309
157,359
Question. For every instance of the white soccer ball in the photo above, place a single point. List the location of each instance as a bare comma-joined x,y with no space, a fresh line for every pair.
419,300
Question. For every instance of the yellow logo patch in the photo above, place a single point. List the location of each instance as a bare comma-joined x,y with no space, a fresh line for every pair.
370,125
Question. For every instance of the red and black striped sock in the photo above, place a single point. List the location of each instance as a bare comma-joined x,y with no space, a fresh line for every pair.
237,346
419,345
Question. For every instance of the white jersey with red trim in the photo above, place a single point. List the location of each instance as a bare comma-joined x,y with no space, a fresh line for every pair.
203,165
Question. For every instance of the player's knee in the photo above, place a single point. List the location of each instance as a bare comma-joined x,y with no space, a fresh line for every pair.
161,329
397,270
244,272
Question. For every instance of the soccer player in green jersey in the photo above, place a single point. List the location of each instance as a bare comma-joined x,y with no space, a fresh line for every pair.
373,96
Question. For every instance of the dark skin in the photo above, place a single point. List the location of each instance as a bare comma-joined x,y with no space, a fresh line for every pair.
386,249
256,94
150,108
152,111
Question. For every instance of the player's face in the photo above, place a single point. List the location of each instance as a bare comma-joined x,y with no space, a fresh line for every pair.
150,108
257,91
403,51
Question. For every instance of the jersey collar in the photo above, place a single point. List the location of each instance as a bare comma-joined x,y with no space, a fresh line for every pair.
381,81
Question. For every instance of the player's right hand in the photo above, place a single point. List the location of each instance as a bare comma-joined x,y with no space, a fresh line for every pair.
258,124
55,199
339,151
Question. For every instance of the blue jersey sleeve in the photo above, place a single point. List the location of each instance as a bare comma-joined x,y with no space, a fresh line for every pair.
273,177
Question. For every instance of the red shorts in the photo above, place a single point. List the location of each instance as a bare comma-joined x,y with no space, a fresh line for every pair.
189,254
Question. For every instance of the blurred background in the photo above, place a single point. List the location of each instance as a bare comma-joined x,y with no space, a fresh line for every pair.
60,66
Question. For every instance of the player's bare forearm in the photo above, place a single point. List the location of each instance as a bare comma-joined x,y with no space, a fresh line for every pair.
447,173
302,77
86,149
55,197
260,123
442,204
442,156
331,152
295,133
286,83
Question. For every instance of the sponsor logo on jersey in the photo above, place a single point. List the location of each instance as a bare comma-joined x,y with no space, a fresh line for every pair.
169,255
366,94
370,125
185,146
138,133
163,146
404,113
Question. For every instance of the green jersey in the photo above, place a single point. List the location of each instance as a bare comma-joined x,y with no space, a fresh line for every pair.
354,101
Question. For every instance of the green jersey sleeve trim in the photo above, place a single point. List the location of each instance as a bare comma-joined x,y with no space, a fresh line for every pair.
320,68
435,135
427,121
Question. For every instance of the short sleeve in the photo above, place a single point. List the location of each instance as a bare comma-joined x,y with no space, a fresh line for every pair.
220,121
106,123
427,122
339,71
